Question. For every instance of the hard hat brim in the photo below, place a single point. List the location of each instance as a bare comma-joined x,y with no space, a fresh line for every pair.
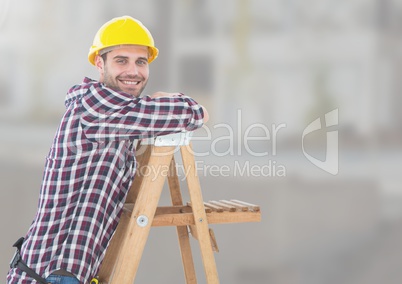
153,54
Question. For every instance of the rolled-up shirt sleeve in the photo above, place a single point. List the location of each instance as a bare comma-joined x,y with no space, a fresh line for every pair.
111,115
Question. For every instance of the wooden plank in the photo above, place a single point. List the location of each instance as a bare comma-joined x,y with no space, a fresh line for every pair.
214,243
249,205
213,207
193,231
182,216
175,209
238,206
207,210
142,158
187,219
226,207
113,250
182,231
146,203
200,217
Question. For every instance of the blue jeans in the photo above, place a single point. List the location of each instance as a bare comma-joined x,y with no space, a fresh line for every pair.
61,279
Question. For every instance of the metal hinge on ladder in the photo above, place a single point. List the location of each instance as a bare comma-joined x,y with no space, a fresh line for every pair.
175,139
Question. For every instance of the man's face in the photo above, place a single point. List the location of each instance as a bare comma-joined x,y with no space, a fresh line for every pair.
125,69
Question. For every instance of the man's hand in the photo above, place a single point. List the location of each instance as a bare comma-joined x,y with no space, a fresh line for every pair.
164,94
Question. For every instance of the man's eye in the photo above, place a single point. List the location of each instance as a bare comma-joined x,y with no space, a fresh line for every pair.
141,62
121,61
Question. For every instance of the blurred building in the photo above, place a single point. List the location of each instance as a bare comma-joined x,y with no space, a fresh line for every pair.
285,61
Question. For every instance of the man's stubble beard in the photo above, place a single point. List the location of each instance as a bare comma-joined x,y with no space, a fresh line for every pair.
112,84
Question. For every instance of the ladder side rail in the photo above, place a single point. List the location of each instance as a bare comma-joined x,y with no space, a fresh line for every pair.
182,231
201,222
141,218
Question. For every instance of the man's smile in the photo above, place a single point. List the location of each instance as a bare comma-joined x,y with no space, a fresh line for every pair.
126,82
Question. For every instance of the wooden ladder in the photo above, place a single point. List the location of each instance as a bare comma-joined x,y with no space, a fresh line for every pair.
155,162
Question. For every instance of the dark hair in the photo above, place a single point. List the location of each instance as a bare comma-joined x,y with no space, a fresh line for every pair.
104,56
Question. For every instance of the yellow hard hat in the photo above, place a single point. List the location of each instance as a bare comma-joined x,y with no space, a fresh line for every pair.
122,31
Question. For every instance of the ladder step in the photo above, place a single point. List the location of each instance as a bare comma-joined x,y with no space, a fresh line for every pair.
223,205
218,212
213,207
207,209
239,207
250,207
232,205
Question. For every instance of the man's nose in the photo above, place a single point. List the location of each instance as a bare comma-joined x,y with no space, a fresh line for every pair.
132,70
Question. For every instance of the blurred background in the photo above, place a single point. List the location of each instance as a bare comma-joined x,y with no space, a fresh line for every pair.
257,62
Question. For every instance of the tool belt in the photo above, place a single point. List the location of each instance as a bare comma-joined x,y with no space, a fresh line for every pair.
17,262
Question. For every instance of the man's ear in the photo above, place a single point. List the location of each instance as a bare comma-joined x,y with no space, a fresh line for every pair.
100,64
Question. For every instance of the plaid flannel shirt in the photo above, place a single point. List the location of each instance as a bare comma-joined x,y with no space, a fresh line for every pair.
88,172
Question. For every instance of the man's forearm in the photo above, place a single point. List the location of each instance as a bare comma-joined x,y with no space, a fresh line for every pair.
172,95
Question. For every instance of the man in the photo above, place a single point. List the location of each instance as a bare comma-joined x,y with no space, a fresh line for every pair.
91,163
